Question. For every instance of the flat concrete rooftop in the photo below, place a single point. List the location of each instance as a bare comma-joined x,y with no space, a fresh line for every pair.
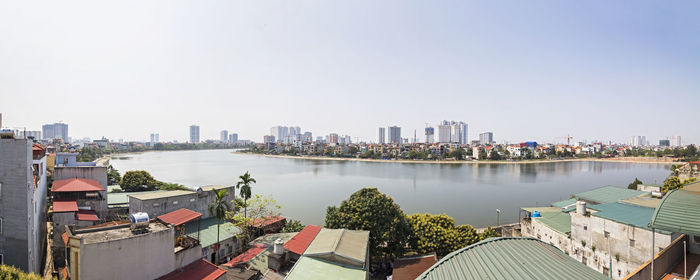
97,235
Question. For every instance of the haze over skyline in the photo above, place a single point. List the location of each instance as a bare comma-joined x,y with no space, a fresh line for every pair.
523,70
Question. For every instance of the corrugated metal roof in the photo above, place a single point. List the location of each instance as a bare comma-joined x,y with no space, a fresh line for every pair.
628,214
644,200
179,216
564,203
199,269
123,197
679,211
157,195
313,269
302,240
558,221
86,215
608,194
509,258
408,268
207,235
541,209
340,245
76,185
693,187
246,256
259,262
65,206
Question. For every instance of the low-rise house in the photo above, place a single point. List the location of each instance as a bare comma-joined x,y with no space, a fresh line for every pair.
334,254
408,268
159,203
206,233
268,224
509,258
297,245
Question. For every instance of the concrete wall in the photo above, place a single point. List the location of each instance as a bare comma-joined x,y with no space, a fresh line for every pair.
631,254
145,256
16,203
194,201
548,235
37,218
187,256
664,262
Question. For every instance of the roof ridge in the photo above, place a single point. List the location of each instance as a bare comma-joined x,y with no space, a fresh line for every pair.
337,241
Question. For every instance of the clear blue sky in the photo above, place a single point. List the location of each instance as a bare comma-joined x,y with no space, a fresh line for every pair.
526,70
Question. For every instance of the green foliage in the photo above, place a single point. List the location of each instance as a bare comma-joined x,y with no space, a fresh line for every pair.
11,272
368,209
171,186
674,182
256,207
218,208
593,248
488,233
138,180
583,243
87,154
245,184
113,176
438,233
633,185
495,155
116,190
457,154
293,226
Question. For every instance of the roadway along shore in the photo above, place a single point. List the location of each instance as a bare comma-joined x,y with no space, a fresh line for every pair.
620,159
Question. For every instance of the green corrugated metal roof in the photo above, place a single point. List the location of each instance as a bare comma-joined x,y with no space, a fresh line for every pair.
608,194
207,234
628,214
312,269
679,211
541,209
559,221
509,258
563,203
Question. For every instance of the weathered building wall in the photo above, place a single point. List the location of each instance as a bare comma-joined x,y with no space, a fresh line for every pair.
198,202
145,256
187,256
15,201
98,173
630,244
37,220
553,237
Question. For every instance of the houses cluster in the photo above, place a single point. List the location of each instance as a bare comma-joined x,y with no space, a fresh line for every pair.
611,230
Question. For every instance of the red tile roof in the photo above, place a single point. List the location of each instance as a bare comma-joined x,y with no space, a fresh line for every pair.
412,267
86,215
65,206
76,185
246,256
302,240
266,221
179,216
199,269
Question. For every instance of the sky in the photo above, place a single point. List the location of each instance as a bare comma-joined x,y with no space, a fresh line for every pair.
524,70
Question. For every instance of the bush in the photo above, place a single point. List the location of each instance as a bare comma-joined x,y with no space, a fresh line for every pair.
11,272
136,181
170,186
293,226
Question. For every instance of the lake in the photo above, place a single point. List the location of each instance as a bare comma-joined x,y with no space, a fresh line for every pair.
470,193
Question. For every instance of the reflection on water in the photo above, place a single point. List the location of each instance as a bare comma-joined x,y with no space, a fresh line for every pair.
468,192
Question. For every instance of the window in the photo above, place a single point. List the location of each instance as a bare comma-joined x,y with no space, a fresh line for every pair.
0,190
606,234
1,259
0,225
175,202
155,204
585,227
191,199
631,242
696,238
584,260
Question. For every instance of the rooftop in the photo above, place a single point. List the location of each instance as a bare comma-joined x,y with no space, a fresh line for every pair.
266,221
120,232
122,198
86,215
179,216
65,206
564,203
628,214
207,234
246,256
269,239
509,258
312,269
76,185
302,240
608,194
679,211
412,267
259,262
558,221
157,195
644,200
199,269
340,245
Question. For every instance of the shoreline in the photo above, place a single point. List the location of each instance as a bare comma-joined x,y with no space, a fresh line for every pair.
620,160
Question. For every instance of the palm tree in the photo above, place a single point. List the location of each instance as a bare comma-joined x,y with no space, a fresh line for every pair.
219,208
244,184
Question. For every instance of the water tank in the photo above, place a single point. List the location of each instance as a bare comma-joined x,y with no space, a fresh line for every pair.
139,220
536,214
279,247
581,207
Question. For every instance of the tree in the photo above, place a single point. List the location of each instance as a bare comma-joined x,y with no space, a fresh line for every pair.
633,185
495,155
113,176
482,153
293,226
244,184
488,233
674,182
258,207
438,233
368,209
138,180
219,208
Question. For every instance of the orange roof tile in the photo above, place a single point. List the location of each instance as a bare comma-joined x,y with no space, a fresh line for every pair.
179,216
65,206
302,240
199,269
76,185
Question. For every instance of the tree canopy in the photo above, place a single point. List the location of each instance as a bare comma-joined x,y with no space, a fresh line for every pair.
292,226
138,180
674,182
633,185
368,209
438,233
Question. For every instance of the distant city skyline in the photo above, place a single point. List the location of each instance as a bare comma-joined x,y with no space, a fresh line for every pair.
522,70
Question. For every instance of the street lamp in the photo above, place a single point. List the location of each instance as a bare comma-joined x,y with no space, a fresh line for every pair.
498,217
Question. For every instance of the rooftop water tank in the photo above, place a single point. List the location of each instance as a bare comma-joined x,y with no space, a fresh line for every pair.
139,220
536,214
279,247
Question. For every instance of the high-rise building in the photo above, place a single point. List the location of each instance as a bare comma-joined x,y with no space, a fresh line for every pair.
665,143
23,188
429,134
269,139
223,136
348,139
381,136
394,135
36,134
307,137
55,131
280,132
676,141
463,133
444,132
486,138
194,134
333,138
155,138
638,141
233,137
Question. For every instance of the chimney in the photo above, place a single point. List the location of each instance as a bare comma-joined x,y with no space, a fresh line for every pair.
581,207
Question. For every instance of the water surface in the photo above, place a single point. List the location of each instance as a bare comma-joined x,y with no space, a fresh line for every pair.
470,193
